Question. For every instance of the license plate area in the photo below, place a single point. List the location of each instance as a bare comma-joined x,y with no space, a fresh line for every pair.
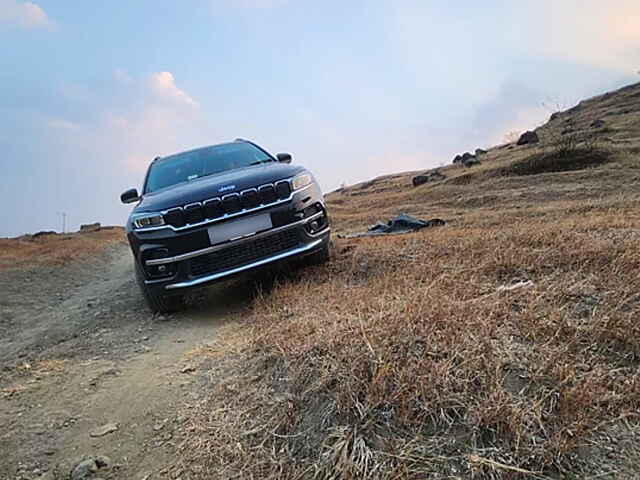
239,228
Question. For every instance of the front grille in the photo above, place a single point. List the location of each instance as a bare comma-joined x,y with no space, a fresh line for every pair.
283,189
245,252
213,208
233,203
267,194
174,217
193,213
249,199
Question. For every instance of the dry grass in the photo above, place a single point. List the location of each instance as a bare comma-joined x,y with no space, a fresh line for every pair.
54,249
406,357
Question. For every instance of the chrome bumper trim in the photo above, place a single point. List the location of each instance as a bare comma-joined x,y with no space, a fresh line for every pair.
264,261
204,251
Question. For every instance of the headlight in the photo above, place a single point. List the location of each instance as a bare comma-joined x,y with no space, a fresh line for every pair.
301,181
146,220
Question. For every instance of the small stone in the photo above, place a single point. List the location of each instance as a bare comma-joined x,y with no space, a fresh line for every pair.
84,469
104,430
188,369
103,461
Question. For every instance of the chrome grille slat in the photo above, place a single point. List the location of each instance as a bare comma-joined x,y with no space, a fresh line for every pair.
214,208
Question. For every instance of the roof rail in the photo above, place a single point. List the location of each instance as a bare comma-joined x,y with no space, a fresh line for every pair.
240,140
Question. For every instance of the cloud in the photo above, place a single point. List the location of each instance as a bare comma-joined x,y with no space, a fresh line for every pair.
61,124
162,119
23,14
163,84
130,122
122,76
515,107
596,33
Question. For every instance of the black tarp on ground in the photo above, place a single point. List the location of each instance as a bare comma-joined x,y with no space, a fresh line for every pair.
403,223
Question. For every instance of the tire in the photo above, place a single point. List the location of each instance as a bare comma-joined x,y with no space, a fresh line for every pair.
319,257
158,303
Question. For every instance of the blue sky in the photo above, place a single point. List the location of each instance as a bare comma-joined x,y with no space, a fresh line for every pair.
90,92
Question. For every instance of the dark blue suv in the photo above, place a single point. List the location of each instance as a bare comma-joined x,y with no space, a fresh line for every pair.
209,213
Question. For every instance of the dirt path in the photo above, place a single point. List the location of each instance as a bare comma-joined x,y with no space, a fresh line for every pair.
79,351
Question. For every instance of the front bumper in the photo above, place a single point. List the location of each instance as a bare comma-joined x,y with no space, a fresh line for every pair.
190,261
303,249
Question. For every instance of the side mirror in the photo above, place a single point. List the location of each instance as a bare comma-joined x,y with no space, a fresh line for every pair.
284,157
130,196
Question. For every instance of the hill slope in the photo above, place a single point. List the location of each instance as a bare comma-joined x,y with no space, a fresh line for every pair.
503,345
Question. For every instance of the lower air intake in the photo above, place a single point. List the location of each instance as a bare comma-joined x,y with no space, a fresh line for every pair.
245,253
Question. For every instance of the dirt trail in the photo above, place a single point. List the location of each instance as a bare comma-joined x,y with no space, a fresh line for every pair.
80,351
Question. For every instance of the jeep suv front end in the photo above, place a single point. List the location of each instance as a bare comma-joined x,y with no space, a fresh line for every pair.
210,213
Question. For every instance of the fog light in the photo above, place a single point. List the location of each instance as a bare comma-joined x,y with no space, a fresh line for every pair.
316,225
162,270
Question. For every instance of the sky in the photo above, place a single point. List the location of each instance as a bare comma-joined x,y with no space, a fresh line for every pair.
91,92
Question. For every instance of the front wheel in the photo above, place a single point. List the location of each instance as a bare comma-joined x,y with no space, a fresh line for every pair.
158,303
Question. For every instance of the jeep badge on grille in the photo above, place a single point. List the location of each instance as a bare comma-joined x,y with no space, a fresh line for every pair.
226,188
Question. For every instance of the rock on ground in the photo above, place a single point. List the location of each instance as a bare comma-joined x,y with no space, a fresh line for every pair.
104,430
433,176
528,138
87,467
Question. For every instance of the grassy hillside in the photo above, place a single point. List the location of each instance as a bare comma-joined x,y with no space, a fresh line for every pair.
55,249
503,345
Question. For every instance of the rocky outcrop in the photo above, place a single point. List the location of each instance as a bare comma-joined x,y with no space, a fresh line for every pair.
90,227
433,176
468,159
470,162
527,138
43,233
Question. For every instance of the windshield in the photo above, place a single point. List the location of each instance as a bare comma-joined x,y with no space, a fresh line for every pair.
187,166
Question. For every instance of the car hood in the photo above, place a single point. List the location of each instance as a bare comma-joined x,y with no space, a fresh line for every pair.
209,187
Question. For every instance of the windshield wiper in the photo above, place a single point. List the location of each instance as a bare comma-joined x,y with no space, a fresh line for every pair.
266,160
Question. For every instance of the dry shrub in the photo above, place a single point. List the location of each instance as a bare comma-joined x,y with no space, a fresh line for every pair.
557,162
403,359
